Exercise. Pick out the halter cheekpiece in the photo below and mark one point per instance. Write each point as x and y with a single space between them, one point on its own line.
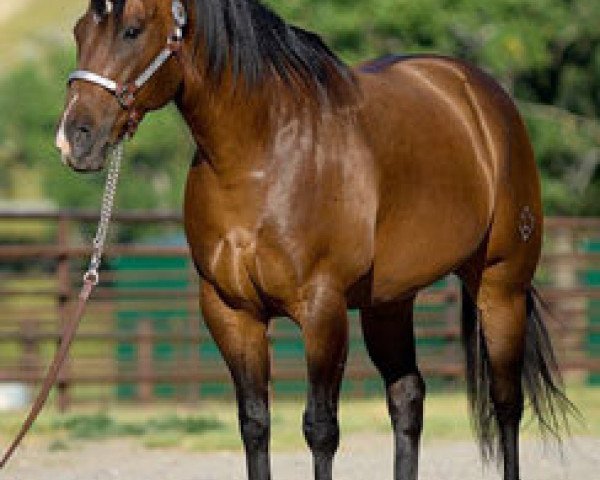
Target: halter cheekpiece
125 92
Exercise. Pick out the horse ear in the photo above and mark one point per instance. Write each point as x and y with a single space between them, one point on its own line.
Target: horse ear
102 7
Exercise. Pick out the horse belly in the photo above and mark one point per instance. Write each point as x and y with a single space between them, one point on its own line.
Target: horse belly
427 228
407 261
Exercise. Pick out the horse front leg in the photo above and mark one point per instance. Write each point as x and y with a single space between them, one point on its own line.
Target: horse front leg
324 322
242 340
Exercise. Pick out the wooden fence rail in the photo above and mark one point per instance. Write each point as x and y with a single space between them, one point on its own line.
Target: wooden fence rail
142 339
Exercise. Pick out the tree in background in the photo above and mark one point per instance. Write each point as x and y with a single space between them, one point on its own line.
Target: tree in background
545 52
156 161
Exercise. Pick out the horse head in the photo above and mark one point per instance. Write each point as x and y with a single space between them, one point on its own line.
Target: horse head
125 68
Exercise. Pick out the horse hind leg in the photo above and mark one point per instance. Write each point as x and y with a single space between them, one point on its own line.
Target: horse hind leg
507 348
389 337
494 328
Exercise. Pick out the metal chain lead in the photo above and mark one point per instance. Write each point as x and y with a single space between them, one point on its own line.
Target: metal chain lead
108 201
90 280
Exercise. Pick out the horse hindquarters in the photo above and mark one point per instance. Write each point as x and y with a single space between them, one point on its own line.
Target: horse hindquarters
508 352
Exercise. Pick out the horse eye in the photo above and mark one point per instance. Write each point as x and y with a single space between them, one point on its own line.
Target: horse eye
131 33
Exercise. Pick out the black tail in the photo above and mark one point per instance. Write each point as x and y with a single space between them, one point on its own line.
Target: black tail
541 379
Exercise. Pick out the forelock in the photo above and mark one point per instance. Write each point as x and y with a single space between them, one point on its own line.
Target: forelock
106 7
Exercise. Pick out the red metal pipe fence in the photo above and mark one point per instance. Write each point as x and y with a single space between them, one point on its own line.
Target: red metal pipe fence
119 347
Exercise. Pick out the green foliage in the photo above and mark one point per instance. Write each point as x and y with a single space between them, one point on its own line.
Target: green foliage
545 52
566 146
31 99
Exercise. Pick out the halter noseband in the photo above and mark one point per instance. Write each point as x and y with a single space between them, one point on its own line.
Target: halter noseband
125 92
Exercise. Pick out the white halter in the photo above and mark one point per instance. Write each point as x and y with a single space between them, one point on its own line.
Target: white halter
125 92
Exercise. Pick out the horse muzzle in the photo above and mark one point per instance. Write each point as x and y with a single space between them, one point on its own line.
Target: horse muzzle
81 149
83 145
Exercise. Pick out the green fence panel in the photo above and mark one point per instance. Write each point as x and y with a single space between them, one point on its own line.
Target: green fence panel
287 344
129 272
591 278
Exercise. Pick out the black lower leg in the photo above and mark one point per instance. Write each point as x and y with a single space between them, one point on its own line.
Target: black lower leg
508 416
322 433
405 402
255 429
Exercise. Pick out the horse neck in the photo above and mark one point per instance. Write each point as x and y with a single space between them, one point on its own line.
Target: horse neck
234 126
230 125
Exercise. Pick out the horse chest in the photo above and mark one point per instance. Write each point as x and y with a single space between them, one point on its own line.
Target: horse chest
240 263
223 232
226 262
266 236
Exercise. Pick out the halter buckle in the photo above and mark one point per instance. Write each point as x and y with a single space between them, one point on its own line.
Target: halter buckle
126 95
174 43
133 122
179 13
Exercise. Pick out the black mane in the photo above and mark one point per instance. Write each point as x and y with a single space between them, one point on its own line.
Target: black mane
255 42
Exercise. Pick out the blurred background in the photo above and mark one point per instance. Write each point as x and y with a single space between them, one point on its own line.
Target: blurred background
142 341
544 52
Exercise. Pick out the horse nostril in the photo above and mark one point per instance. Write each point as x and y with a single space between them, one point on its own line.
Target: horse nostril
82 133
82 140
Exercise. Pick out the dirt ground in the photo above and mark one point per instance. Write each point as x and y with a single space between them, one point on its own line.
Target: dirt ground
363 457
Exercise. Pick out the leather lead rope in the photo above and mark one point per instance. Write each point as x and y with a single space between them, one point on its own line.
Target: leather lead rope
90 280
54 370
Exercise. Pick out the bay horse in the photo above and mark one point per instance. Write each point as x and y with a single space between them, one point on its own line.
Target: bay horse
317 187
